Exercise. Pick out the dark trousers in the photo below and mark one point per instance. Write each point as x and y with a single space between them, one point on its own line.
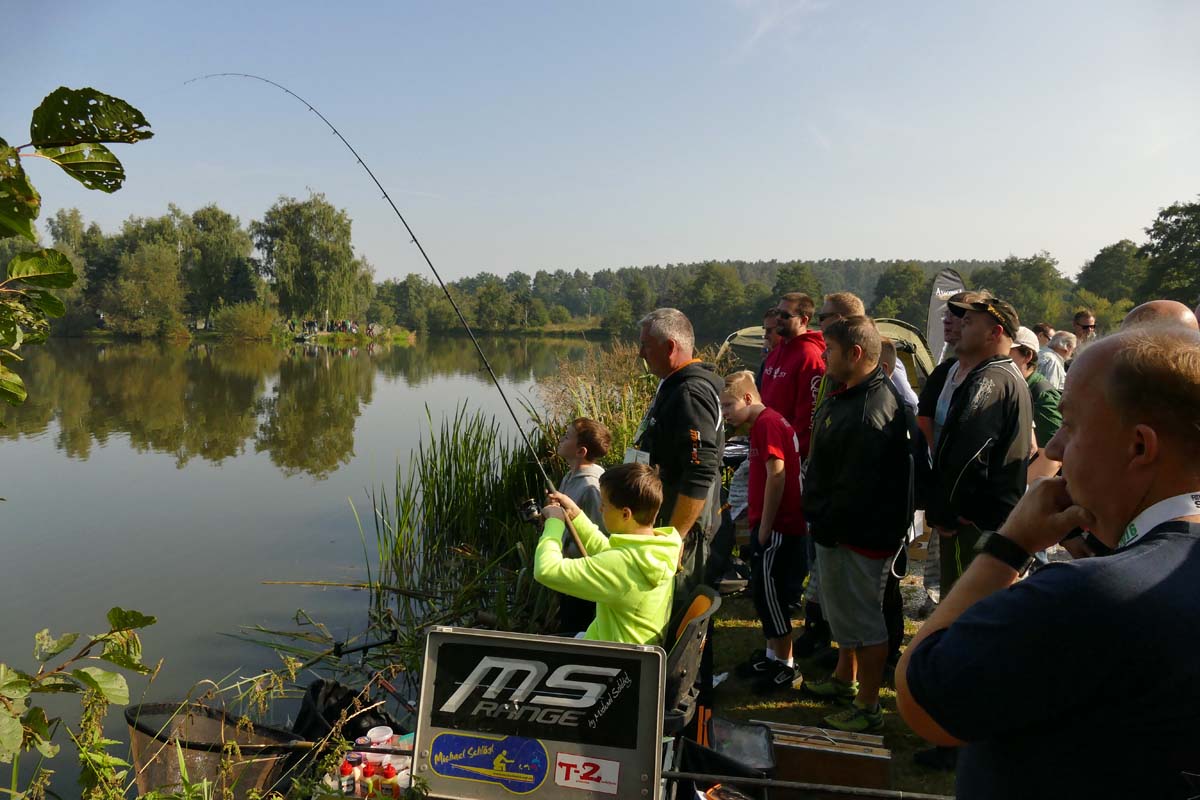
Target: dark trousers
956 554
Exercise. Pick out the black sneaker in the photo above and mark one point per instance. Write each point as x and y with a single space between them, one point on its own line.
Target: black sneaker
757 665
778 676
944 759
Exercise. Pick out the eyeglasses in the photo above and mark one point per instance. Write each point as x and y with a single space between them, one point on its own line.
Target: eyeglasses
785 315
1091 327
827 315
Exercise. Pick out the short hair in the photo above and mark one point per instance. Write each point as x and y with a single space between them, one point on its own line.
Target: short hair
1064 340
887 353
858 330
1082 314
670 324
740 383
592 435
1154 379
804 304
847 304
1043 329
636 487
771 312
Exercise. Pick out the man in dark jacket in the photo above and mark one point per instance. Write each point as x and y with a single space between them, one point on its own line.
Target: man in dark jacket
682 435
858 507
982 447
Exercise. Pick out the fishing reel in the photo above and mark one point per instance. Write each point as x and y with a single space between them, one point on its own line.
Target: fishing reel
530 511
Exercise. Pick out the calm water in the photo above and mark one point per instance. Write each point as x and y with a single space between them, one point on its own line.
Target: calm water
174 480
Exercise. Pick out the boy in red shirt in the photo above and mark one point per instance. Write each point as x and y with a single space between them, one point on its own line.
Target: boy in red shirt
777 524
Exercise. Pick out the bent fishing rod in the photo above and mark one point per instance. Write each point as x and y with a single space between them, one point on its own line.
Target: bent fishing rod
413 238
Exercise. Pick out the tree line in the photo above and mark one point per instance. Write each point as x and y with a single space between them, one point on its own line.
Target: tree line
156 273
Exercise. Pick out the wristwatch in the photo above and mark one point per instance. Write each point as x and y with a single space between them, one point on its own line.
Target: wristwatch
1004 549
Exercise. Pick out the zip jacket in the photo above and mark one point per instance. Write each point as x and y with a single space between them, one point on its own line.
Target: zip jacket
792 379
630 578
856 490
684 437
979 463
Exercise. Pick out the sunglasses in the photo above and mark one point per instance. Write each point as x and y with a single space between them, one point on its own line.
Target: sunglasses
1088 327
785 315
827 315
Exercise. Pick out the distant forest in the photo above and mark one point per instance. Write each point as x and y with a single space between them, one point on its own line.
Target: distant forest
157 276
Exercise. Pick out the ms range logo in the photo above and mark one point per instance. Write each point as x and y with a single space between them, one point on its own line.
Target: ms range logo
553 696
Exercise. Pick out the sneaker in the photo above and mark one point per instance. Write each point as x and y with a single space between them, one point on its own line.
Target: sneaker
857 719
757 665
779 676
832 689
939 758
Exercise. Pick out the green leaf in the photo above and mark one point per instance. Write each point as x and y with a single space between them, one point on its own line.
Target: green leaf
47 268
12 389
93 165
46 647
11 734
79 116
111 685
125 660
37 732
13 685
57 684
19 201
121 619
47 302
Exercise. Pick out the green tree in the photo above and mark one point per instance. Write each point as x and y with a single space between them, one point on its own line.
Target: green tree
905 284
539 315
1173 253
559 314
307 255
716 296
215 260
618 320
1108 313
797 276
1033 285
147 298
639 294
1116 272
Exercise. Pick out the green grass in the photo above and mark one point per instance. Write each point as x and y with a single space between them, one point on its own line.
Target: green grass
738 633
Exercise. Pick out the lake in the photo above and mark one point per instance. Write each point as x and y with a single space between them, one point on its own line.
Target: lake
175 479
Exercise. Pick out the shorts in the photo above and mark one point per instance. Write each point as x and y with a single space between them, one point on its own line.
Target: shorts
850 596
772 568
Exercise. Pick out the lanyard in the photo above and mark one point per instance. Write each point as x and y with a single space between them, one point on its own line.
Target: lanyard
1182 505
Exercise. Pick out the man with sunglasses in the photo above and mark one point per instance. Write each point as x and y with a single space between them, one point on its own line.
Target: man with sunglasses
794 368
1085 328
982 445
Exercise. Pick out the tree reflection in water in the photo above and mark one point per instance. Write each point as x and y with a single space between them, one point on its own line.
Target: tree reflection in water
214 401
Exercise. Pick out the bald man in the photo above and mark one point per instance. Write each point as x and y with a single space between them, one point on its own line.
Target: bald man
1160 312
1083 680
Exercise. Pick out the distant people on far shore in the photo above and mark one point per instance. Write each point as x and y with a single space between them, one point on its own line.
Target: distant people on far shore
1158 312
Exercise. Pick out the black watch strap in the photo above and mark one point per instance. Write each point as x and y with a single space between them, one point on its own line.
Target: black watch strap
1004 549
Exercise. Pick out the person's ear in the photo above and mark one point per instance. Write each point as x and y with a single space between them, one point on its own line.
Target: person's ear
1145 445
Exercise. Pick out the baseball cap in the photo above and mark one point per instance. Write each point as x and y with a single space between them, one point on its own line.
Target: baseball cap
1027 339
997 309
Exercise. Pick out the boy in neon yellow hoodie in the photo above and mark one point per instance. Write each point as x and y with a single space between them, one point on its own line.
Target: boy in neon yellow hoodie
630 575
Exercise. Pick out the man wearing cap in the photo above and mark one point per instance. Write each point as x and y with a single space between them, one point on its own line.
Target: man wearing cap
983 441
1046 417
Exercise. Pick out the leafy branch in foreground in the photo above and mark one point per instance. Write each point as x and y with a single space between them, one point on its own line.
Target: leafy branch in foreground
70 129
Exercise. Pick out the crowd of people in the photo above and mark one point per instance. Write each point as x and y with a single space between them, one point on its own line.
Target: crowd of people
1030 677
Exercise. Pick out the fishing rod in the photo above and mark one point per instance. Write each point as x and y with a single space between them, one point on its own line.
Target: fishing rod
413 238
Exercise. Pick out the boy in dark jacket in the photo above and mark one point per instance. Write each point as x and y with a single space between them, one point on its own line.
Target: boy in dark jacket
858 507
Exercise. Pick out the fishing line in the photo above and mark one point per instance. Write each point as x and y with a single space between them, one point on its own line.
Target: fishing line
413 238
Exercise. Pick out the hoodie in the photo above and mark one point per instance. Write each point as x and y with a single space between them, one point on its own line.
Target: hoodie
791 380
629 577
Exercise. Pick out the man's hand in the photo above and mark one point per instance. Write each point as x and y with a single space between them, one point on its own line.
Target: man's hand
559 499
763 539
1044 516
554 512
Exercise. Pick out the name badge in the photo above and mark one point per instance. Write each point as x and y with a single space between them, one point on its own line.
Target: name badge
635 456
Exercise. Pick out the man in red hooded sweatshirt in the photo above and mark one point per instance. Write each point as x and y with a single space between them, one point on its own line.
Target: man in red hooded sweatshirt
794 368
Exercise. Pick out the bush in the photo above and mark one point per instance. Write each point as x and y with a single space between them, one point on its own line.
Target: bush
245 321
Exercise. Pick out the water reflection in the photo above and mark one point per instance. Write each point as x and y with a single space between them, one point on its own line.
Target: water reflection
213 401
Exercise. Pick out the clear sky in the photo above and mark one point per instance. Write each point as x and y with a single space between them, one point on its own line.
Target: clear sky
522 135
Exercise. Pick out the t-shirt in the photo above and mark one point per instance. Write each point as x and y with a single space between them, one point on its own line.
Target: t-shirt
945 397
772 437
927 401
1081 681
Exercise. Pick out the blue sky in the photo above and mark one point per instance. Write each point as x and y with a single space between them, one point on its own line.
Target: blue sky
589 135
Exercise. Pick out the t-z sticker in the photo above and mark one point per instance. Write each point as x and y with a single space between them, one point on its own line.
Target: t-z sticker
540 695
519 765
590 774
